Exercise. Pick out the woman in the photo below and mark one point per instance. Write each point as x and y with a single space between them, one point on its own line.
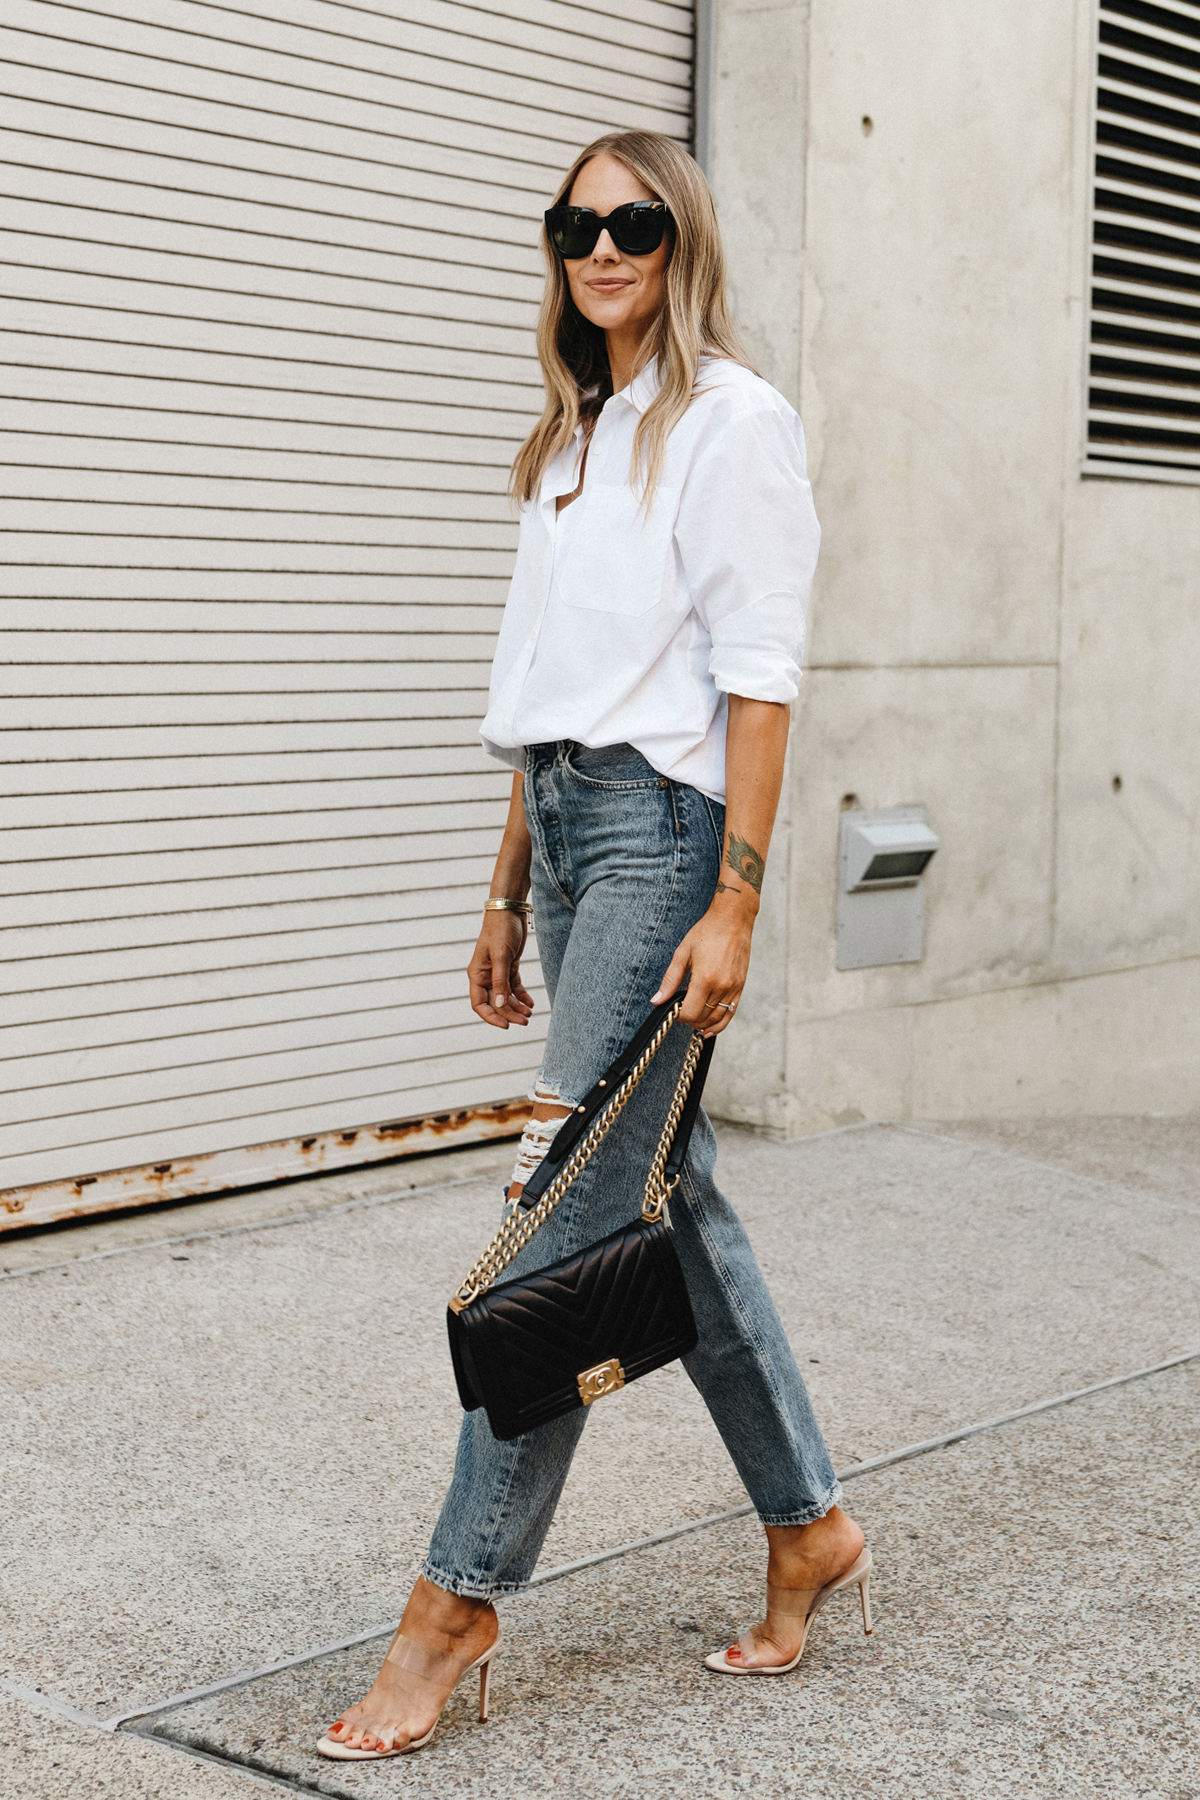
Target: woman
641 684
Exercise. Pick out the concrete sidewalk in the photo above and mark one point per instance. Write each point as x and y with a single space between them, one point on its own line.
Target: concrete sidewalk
227 1450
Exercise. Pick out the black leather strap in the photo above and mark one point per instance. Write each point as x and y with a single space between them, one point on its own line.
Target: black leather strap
683 1133
577 1122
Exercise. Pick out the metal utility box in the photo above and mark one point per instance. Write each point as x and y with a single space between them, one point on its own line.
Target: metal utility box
880 895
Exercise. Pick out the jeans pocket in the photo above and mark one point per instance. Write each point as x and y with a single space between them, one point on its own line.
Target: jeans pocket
614 768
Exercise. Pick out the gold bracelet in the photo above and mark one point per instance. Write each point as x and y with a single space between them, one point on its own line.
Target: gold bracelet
517 906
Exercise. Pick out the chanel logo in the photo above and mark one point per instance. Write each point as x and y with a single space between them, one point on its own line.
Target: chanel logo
605 1378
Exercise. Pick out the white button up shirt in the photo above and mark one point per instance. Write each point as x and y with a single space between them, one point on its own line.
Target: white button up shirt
628 627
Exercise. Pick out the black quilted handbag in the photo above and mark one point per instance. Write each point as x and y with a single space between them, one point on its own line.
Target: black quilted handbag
544 1344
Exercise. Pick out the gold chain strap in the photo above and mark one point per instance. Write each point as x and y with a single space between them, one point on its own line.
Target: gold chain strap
518 1228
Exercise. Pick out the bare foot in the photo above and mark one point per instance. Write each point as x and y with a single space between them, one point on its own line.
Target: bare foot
391 1715
806 1557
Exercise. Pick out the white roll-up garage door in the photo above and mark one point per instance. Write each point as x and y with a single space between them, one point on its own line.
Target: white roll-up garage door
269 277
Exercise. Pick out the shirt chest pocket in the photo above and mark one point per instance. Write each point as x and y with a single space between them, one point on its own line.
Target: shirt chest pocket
617 561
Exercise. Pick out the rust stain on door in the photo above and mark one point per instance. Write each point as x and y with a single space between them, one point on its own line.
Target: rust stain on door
224 1171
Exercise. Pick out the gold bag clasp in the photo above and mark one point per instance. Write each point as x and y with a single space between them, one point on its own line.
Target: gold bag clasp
605 1378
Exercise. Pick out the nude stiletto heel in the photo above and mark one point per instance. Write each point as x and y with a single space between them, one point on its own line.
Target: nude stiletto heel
802 1603
422 1668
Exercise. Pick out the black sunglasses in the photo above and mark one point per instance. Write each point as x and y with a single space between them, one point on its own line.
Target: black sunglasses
636 229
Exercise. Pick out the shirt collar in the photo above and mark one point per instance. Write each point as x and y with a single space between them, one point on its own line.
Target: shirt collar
562 473
642 389
560 477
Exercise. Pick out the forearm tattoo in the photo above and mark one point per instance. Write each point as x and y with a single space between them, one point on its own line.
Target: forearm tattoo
745 861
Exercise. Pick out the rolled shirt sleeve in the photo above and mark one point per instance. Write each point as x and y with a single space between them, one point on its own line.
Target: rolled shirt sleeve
747 537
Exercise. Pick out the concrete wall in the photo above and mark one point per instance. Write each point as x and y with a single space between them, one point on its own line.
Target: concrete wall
903 185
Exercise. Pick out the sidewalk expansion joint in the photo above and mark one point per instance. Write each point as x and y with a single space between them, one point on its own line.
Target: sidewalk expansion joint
175 1701
35 1697
61 1710
871 1466
875 1463
266 1777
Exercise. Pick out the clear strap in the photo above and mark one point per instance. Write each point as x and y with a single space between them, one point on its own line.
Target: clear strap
420 1670
418 1660
791 1603
796 1603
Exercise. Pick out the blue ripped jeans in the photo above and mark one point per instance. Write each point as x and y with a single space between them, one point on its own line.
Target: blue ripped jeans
624 863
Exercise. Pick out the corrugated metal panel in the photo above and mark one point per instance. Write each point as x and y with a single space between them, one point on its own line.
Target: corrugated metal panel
268 282
1143 416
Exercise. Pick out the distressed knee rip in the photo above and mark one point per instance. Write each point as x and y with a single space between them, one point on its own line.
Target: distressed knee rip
536 1139
539 1133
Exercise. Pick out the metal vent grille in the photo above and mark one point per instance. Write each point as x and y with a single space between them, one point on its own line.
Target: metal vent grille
1143 415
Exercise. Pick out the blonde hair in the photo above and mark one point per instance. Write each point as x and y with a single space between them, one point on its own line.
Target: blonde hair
694 320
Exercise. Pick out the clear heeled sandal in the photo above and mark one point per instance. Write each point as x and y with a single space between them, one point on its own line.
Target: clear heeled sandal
797 1603
423 1670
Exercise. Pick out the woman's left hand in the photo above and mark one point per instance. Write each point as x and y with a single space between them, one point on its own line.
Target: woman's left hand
716 955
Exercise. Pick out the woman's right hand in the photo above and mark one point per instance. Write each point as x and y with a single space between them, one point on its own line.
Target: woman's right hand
498 994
